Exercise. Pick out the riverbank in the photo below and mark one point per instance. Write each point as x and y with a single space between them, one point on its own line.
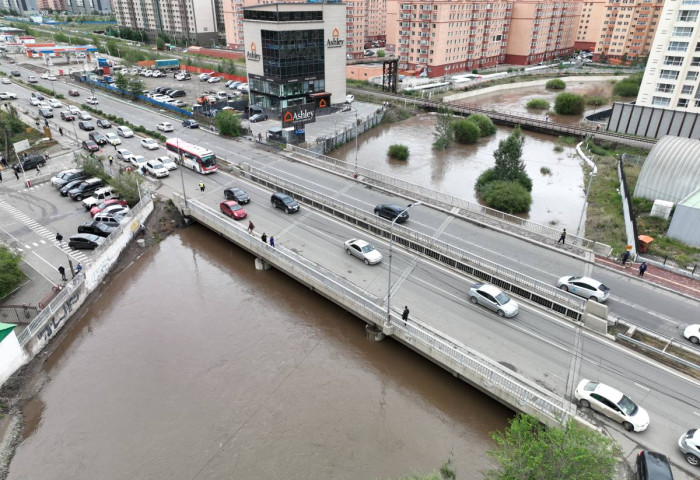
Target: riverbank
18 391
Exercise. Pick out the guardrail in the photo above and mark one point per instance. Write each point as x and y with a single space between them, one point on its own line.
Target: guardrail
547 296
342 292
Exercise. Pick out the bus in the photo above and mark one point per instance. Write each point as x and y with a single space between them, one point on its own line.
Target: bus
191 156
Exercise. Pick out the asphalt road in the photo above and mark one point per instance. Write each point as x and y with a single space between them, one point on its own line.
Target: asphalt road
545 349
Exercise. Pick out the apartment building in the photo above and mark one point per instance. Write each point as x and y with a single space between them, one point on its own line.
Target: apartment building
194 20
53 5
541 30
375 24
87 7
443 37
21 6
672 75
590 24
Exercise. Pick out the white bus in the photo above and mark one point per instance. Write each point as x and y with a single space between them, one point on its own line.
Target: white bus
191 156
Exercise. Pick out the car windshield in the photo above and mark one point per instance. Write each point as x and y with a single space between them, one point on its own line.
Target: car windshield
209 160
628 406
158 165
367 249
235 208
287 200
590 386
603 288
502 298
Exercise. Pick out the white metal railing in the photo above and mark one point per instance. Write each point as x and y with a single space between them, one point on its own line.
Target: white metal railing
343 292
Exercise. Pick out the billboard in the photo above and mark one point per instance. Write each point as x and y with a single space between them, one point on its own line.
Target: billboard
298 115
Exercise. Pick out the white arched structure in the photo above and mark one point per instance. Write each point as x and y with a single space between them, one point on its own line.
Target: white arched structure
671 171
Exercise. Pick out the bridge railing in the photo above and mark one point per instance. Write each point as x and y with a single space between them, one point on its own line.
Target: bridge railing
545 295
529 396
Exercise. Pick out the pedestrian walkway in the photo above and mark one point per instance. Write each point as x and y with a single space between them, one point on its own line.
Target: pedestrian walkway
673 281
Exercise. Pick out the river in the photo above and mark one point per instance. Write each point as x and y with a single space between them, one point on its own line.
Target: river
191 364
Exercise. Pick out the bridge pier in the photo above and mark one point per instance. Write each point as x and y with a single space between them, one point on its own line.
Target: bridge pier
261 264
373 333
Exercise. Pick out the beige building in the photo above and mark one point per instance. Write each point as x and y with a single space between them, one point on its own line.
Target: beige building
194 20
589 25
628 29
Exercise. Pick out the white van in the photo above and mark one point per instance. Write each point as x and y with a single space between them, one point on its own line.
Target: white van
99 196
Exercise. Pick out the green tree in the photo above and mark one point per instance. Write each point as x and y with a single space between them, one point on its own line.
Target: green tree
484 123
509 197
160 44
466 131
10 273
556 84
509 161
569 104
381 53
399 152
228 123
528 450
121 81
113 47
443 134
135 86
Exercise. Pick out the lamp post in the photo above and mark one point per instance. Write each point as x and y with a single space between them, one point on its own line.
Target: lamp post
182 166
391 249
357 134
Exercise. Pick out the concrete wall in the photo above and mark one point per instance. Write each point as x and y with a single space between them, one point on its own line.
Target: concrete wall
11 357
653 122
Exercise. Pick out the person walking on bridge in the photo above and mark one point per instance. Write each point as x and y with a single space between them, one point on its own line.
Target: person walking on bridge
562 238
251 227
404 315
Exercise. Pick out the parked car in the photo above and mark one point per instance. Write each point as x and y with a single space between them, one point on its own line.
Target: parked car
284 201
493 298
67 176
111 219
113 139
32 79
73 93
67 116
237 194
108 203
70 185
138 161
157 169
177 94
258 117
104 123
96 228
165 127
391 212
179 103
125 132
87 126
189 123
90 146
363 250
149 143
653 466
692 333
584 287
613 404
98 138
46 113
15 73
85 189
85 241
689 443
98 196
29 163
203 77
8 96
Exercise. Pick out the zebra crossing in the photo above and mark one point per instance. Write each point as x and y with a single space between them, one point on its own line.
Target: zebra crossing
43 232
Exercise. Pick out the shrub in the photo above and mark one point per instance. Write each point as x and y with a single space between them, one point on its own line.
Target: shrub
558 148
466 131
596 100
486 177
509 197
228 123
486 126
545 171
556 84
399 152
539 103
569 104
629 87
10 273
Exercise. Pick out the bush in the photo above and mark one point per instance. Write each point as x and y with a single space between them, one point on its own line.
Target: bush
10 273
539 103
486 177
629 87
545 171
596 100
509 197
556 84
486 126
569 104
466 131
399 152
228 123
558 148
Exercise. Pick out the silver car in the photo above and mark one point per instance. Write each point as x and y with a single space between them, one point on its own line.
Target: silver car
493 298
584 287
363 250
689 443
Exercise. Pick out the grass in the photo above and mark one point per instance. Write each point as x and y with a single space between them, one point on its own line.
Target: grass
558 148
545 171
568 140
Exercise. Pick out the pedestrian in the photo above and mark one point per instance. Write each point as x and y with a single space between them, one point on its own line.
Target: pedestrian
264 237
201 187
59 238
0 175
46 123
642 269
38 170
60 130
37 123
17 174
625 257
62 271
260 137
79 268
404 315
251 227
272 241
111 160
562 238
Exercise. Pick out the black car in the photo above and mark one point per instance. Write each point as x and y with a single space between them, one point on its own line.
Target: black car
85 188
284 201
104 123
653 466
391 211
96 228
91 146
176 94
98 138
70 185
258 117
32 161
237 194
162 90
189 123
85 240
15 73
46 113
87 126
68 177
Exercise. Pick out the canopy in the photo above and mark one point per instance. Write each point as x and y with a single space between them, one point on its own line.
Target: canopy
5 330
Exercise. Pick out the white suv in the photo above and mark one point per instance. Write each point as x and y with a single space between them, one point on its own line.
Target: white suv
157 169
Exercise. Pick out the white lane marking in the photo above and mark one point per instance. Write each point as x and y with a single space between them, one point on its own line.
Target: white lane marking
642 387
696 413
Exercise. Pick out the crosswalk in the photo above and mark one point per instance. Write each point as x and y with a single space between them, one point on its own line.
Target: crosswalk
49 236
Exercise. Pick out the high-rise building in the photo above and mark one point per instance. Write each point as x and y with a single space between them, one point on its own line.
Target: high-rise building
193 20
590 23
59 5
672 75
19 6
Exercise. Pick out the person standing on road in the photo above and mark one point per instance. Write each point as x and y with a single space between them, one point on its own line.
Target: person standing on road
404 315
251 227
642 269
62 271
16 174
625 257
562 238
264 237
59 238
0 175
201 187
272 241
111 160
60 130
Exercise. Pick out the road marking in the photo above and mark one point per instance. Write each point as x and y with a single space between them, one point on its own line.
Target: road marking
696 413
642 387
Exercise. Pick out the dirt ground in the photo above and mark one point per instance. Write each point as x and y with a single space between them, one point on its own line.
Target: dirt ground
28 381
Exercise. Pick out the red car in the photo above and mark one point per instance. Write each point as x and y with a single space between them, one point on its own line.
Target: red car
112 201
73 93
233 210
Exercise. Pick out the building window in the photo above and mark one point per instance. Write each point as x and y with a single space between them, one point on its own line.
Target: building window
695 62
677 46
687 15
664 88
669 75
294 53
682 31
691 76
660 102
687 90
682 103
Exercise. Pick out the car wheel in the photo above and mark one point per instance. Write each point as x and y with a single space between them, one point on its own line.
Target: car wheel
501 313
287 211
473 300
42 163
692 459
565 288
78 197
194 168
274 205
584 403
694 340
593 299
347 250
366 262
228 196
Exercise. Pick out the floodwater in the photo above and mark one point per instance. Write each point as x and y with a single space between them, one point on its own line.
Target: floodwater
557 197
191 364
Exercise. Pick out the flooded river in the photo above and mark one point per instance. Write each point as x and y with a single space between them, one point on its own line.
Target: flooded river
191 364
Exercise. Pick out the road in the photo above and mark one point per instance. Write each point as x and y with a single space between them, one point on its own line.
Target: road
545 349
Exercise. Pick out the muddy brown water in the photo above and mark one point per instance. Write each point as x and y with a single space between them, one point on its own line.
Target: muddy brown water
191 364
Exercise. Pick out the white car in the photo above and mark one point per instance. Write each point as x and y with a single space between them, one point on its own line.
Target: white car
493 298
44 76
45 105
612 404
363 250
214 80
125 132
167 162
113 139
138 161
692 333
32 79
9 95
157 73
148 73
149 143
203 77
55 103
123 154
243 87
84 115
349 98
6 80
584 287
73 109
157 169
178 103
134 71
165 126
34 101
92 101
52 78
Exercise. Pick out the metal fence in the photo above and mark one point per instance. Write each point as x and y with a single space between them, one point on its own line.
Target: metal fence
548 296
347 295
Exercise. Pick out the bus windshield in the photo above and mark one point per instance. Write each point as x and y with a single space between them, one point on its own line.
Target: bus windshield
208 160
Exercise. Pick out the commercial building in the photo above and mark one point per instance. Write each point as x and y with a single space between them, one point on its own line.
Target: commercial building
193 20
672 75
295 54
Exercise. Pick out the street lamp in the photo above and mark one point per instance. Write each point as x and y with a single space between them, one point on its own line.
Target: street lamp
391 245
357 133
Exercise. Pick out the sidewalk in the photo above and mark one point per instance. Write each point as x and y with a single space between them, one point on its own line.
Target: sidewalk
659 276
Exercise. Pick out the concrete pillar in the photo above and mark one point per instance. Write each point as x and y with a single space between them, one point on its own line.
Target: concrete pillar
373 333
261 264
595 317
